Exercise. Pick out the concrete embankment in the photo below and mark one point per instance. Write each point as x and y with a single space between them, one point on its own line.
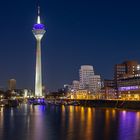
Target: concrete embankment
120 104
111 104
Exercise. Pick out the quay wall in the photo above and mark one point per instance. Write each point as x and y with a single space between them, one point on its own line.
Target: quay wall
122 104
111 104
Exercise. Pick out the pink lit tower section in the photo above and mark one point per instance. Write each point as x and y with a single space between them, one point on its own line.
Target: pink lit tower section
38 31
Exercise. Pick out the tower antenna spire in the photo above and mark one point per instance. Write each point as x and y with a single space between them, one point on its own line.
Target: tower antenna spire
38 13
38 10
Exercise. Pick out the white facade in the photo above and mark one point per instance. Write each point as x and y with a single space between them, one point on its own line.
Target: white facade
88 80
75 85
85 73
95 83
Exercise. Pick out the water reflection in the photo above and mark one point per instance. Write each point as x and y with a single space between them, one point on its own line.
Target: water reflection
107 123
129 127
113 114
1 122
68 123
89 124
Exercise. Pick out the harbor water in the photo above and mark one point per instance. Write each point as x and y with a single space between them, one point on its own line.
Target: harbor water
50 122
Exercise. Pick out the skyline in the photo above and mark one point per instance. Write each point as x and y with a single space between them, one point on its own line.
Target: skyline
78 34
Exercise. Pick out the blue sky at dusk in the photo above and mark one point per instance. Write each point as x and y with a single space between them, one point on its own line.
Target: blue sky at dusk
96 32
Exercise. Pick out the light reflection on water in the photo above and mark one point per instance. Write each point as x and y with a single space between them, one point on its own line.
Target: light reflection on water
128 119
68 123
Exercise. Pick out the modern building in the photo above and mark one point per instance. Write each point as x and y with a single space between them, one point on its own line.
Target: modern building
75 85
85 72
126 69
38 31
88 80
12 84
95 83
109 83
108 90
127 80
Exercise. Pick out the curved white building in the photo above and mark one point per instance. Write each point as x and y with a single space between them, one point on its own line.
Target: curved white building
88 80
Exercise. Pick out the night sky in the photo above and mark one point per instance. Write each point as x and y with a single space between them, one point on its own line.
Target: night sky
96 32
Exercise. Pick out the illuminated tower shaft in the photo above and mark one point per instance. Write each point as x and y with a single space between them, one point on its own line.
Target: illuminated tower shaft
38 74
38 31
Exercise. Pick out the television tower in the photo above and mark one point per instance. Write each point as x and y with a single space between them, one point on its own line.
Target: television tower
38 31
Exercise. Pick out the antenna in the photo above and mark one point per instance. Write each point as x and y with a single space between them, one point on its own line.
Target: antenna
38 13
38 8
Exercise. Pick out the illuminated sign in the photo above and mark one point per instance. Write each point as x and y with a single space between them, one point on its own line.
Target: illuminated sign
128 88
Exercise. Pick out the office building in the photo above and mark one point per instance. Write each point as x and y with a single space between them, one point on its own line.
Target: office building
75 85
85 73
88 80
127 80
12 84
